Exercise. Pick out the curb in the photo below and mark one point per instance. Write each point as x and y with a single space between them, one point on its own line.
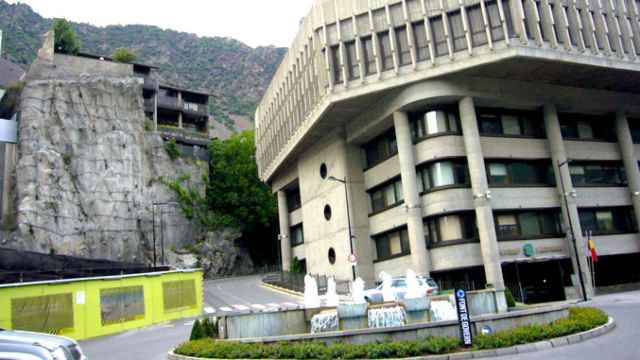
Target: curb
513 350
282 290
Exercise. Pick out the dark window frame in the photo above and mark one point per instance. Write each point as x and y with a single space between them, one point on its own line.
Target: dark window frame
294 241
418 125
380 189
457 163
526 121
293 194
432 225
601 129
555 213
385 236
616 166
628 217
550 176
388 137
353 68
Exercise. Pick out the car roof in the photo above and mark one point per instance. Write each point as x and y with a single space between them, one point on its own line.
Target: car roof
27 337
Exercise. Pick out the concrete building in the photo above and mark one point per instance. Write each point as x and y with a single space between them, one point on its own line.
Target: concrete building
452 123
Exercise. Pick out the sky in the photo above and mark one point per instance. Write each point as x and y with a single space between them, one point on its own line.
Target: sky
254 22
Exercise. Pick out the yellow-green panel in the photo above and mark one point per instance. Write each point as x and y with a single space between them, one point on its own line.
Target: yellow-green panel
101 306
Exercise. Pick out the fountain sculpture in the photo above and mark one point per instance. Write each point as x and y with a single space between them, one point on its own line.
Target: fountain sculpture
442 311
332 298
387 291
357 292
311 298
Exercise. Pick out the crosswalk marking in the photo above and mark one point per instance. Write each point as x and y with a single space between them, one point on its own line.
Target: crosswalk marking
273 305
241 307
289 304
258 306
209 310
226 308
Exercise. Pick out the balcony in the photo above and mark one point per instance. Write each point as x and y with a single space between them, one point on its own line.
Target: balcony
149 106
168 102
150 84
184 135
195 108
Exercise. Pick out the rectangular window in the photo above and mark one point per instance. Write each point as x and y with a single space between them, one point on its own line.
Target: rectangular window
369 57
47 313
402 41
598 174
386 196
476 24
380 149
587 127
557 28
457 31
297 235
498 174
602 221
352 60
434 122
420 35
439 39
122 304
336 65
179 295
385 51
293 199
528 224
634 126
505 122
392 244
452 227
495 24
443 173
520 172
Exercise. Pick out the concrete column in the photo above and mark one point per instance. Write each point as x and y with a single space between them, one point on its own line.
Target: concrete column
569 207
415 226
484 212
180 111
155 111
630 160
285 236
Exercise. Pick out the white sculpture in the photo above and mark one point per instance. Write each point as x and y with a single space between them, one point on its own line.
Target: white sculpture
413 286
332 294
357 293
387 291
311 298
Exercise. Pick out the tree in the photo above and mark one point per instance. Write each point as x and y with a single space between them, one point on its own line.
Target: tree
66 39
124 55
196 331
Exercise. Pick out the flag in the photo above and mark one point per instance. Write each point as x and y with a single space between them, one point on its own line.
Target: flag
594 251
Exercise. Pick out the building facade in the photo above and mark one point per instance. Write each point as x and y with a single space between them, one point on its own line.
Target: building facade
480 142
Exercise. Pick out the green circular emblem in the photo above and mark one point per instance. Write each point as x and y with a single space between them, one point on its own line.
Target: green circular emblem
529 250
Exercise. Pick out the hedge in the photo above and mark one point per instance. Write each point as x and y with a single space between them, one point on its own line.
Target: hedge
580 319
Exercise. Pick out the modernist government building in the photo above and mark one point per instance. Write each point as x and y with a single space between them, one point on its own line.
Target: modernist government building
479 142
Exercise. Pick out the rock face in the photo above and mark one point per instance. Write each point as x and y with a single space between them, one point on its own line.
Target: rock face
88 176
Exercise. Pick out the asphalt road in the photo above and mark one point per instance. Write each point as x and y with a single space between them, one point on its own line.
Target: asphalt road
240 294
153 343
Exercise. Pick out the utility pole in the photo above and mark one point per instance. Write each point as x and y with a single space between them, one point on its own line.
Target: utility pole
346 195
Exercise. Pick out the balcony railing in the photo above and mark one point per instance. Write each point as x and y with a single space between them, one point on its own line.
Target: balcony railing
150 83
173 103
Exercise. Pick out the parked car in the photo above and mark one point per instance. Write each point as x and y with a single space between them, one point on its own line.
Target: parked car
17 351
399 287
60 347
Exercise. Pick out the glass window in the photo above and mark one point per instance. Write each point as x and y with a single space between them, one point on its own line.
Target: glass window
336 65
490 124
457 31
403 46
386 196
507 226
608 220
442 173
385 51
369 57
495 24
420 35
498 173
584 130
586 174
451 227
523 173
529 225
377 201
395 243
605 221
398 190
520 172
293 199
436 122
439 39
510 125
297 235
433 122
381 148
478 32
352 60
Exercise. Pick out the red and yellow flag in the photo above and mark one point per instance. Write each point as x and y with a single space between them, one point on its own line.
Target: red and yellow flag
594 251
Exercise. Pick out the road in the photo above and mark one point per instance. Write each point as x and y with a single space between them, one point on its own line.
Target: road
153 343
242 294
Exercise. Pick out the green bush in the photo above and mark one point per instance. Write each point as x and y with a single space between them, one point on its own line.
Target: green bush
124 55
511 301
66 40
196 331
172 149
580 319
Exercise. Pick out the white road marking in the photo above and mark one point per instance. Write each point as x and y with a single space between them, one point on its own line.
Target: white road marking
209 310
258 306
240 307
189 323
290 304
273 305
226 308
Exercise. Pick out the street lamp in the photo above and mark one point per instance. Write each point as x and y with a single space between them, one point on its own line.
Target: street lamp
565 195
159 204
346 195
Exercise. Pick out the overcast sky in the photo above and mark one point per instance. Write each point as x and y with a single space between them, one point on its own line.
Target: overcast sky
254 22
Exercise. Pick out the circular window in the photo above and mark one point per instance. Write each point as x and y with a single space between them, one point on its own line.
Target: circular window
327 212
332 256
323 171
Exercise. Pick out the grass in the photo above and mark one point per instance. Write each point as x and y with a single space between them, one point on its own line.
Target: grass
579 319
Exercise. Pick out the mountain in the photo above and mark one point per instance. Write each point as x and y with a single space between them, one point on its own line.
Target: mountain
235 73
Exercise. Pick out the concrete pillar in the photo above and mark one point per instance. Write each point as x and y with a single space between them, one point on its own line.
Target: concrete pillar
415 226
285 236
180 109
481 195
630 160
155 111
570 213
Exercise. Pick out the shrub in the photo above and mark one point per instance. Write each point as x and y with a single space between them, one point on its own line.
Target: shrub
124 55
580 319
66 39
196 331
511 301
172 149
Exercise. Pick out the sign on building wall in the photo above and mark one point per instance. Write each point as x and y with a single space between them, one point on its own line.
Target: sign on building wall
464 321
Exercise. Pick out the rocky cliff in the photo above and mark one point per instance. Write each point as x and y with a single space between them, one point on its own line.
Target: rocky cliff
88 173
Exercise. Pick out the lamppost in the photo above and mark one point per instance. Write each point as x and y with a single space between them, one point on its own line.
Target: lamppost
346 196
159 204
565 196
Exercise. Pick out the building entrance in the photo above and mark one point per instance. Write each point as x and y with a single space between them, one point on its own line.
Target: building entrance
536 282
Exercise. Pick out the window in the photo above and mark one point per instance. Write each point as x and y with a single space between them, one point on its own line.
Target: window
590 174
404 53
385 51
293 199
297 235
448 228
557 28
510 123
420 35
392 244
352 60
441 174
520 172
457 31
380 149
439 39
369 57
386 196
476 24
634 126
336 65
586 127
434 122
601 221
528 224
495 24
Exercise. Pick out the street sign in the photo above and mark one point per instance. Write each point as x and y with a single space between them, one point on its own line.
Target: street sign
464 322
353 259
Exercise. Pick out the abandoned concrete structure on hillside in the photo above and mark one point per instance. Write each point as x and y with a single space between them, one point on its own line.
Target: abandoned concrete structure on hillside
476 138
